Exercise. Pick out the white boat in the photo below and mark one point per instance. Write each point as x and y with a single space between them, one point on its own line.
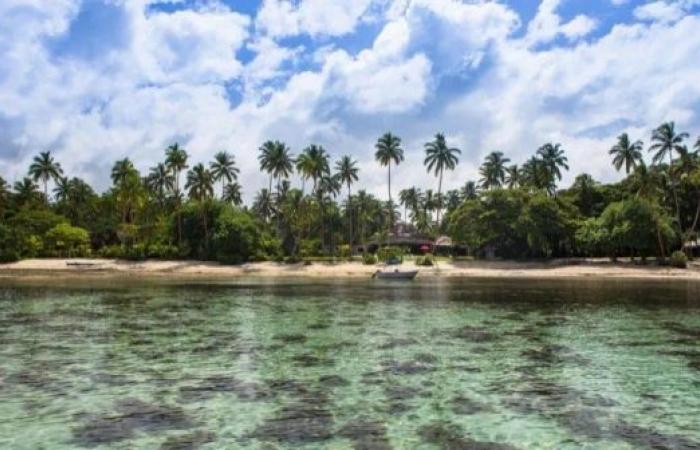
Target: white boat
395 274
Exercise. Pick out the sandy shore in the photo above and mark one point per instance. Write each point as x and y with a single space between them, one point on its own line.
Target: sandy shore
39 268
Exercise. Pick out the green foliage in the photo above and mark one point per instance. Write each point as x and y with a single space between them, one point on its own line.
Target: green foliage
390 253
425 260
369 259
9 250
66 240
237 236
679 260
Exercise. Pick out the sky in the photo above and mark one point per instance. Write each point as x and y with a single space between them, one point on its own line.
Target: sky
98 80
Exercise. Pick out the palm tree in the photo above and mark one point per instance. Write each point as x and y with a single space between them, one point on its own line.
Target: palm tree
200 187
512 178
62 190
224 169
176 162
536 174
232 194
313 163
470 191
438 157
409 198
554 159
26 191
44 168
328 186
626 153
267 151
121 170
160 180
281 163
492 171
666 141
263 205
347 172
388 149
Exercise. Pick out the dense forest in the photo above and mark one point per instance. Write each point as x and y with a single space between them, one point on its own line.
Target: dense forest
186 209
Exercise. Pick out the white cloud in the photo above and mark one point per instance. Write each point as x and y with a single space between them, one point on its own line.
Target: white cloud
547 25
279 18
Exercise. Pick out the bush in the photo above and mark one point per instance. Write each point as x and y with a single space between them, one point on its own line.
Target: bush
679 260
66 240
236 236
390 253
162 251
426 260
369 259
111 251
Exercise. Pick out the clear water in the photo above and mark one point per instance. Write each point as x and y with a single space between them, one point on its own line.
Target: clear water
358 364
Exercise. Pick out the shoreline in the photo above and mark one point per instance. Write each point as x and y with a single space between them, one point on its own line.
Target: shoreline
187 270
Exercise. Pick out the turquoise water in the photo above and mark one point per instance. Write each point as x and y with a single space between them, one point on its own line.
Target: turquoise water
366 365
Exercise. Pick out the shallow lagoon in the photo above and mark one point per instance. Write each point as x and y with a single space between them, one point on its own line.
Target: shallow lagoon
470 364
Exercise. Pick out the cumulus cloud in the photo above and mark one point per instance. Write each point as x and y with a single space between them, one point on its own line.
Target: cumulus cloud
470 69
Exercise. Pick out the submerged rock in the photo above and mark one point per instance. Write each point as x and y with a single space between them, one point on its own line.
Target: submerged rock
449 436
191 441
129 416
298 423
366 435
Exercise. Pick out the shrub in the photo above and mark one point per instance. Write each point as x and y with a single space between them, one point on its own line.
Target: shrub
426 260
111 251
67 240
369 259
679 260
236 237
344 251
162 251
390 253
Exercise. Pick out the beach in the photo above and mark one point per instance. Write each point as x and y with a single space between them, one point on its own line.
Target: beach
578 268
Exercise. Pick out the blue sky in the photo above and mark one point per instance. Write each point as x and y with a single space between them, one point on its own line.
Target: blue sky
97 80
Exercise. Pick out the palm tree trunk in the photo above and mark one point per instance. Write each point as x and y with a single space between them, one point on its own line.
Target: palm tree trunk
675 194
389 168
350 216
46 189
439 198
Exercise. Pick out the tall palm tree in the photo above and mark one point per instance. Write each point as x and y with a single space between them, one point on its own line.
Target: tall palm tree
176 162
438 157
160 181
265 157
512 178
263 205
554 159
388 149
121 170
537 174
45 168
232 194
666 141
347 171
493 171
626 153
409 199
281 163
200 187
61 192
313 163
224 169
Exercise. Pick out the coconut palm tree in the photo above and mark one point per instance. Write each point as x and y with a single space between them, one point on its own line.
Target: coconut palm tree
263 205
26 191
224 169
200 187
61 192
438 157
267 151
470 191
232 194
493 171
160 181
666 141
176 162
313 163
554 159
388 149
409 199
626 153
537 174
281 163
121 171
347 171
45 168
512 178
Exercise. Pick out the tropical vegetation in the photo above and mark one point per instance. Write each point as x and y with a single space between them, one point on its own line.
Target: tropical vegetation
181 208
